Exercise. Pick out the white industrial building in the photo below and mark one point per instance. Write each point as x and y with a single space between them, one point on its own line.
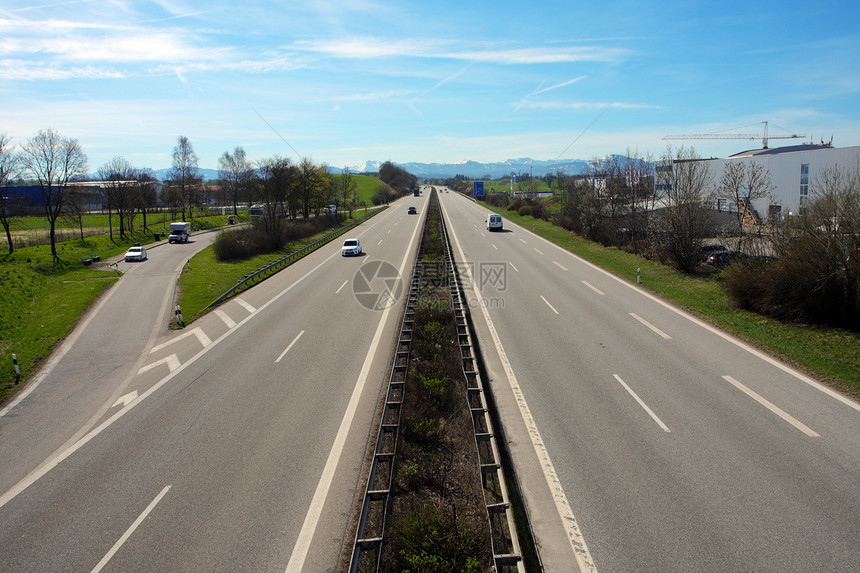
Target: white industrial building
793 171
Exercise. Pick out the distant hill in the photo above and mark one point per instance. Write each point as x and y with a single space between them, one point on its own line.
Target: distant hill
470 169
474 169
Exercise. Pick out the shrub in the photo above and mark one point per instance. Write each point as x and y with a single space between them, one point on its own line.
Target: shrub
254 240
434 540
525 210
496 199
806 286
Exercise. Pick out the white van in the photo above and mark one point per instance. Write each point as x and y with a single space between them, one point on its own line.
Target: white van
494 222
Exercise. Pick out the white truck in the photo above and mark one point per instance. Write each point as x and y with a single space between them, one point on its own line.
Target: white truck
179 232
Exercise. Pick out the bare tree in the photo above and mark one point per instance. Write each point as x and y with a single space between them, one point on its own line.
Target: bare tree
740 184
236 175
274 187
75 207
119 180
685 183
147 194
53 161
9 170
184 174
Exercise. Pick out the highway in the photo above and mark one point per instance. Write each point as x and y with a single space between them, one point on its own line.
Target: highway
235 444
645 439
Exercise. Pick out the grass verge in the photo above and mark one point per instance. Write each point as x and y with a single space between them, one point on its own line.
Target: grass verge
204 278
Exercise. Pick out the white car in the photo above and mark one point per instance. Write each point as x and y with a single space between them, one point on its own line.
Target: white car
350 247
135 254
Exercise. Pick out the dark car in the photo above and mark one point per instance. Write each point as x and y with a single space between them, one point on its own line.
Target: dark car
722 259
705 251
412 211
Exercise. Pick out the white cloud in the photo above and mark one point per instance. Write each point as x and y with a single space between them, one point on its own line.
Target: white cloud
368 47
374 96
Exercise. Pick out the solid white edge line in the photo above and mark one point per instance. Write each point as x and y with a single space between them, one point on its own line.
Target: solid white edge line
548 304
54 461
642 403
58 355
303 542
130 530
569 523
287 349
772 407
712 329
651 326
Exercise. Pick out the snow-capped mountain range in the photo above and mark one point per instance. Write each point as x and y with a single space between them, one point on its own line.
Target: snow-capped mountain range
470 169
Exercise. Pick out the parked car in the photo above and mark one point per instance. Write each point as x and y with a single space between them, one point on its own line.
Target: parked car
412 211
722 259
330 209
350 247
135 254
705 251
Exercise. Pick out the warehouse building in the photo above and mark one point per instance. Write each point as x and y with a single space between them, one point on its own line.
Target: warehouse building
793 170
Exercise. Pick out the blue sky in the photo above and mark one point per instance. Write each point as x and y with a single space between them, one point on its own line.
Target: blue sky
346 81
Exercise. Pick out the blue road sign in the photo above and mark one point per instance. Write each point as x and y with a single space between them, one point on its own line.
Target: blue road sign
479 188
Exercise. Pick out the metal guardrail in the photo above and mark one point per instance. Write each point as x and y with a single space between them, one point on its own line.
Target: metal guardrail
275 266
507 556
374 508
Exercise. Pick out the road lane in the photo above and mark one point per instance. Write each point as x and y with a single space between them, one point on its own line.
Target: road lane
91 368
732 486
240 437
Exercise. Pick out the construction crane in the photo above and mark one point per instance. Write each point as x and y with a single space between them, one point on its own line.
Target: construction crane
721 135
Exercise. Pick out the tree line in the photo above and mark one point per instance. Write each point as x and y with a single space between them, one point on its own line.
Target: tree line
803 268
57 165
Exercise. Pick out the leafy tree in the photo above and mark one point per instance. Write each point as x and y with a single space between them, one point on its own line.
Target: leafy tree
54 162
312 187
345 188
396 177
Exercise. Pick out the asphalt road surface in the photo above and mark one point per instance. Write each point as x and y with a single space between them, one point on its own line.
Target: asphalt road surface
643 439
235 444
646 440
